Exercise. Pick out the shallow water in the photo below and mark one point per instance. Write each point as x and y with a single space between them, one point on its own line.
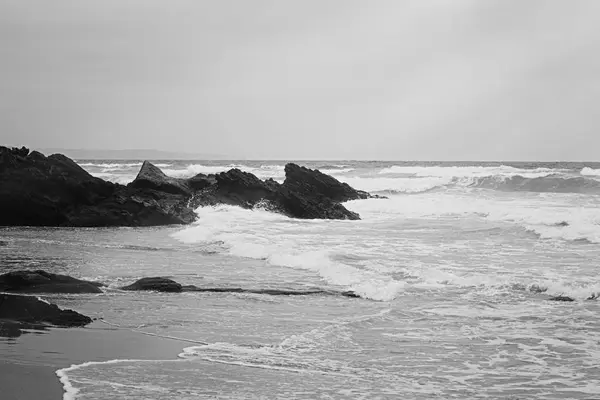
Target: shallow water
455 270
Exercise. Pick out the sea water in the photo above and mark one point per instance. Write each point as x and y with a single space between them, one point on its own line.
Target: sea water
455 270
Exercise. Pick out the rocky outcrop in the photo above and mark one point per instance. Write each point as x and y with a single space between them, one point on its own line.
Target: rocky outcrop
154 284
44 282
309 182
54 191
305 193
43 191
151 177
32 310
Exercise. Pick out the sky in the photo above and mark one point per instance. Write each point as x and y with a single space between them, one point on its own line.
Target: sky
310 79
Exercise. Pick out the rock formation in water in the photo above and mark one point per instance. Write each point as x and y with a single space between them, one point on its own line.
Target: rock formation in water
155 284
159 284
45 282
32 310
54 191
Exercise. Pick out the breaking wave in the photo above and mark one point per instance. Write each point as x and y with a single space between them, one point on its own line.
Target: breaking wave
551 184
284 242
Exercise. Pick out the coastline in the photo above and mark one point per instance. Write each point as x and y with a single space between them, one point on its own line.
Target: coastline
29 364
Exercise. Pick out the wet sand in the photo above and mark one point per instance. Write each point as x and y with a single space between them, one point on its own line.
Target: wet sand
28 363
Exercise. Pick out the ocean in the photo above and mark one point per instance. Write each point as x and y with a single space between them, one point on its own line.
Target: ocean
455 270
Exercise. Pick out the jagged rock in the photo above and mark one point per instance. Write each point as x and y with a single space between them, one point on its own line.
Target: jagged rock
135 207
32 310
41 191
241 188
201 181
151 177
54 191
44 282
311 182
155 284
315 206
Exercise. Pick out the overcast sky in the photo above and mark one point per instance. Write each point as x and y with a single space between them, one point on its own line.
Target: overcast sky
345 79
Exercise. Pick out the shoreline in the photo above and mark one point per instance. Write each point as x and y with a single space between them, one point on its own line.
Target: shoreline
29 364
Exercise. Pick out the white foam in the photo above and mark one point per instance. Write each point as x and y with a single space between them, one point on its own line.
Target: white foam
471 171
263 172
70 390
587 171
281 241
397 184
122 179
550 216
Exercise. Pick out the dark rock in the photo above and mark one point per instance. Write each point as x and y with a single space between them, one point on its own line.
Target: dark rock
561 298
55 191
41 191
156 284
44 282
135 207
269 292
310 182
310 206
201 181
241 188
151 177
32 310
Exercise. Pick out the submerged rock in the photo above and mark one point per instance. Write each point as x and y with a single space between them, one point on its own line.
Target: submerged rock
561 298
159 284
45 282
32 310
155 284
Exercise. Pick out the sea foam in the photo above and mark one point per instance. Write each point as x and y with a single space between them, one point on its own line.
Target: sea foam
281 241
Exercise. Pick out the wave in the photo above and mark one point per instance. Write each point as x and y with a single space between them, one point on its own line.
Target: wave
551 184
263 172
545 217
471 171
587 171
284 242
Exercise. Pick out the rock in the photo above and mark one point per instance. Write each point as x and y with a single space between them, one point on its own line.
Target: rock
40 191
151 177
44 282
201 181
32 310
156 284
241 188
310 206
55 191
311 182
561 298
135 207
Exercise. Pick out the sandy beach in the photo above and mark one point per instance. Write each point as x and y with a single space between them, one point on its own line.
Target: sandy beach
28 364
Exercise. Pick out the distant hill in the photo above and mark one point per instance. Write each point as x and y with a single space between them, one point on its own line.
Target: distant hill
132 154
